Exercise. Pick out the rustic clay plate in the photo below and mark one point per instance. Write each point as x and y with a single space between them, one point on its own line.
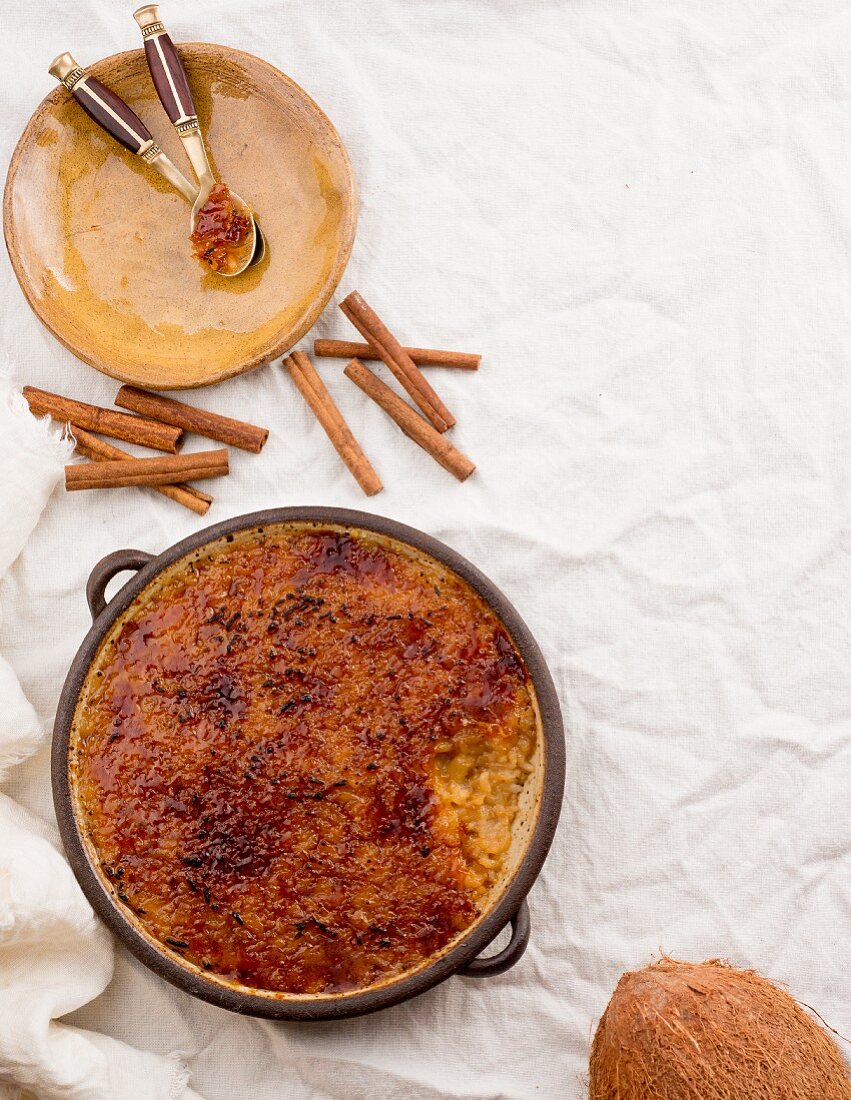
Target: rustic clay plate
100 244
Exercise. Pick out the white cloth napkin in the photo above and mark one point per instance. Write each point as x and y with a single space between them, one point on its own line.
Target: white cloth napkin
54 955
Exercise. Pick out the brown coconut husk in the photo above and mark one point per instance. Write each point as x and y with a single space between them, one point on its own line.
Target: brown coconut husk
706 1031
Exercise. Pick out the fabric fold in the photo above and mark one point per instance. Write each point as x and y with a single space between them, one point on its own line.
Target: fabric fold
55 956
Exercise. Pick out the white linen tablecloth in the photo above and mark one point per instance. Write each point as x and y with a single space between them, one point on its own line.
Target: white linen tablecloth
640 215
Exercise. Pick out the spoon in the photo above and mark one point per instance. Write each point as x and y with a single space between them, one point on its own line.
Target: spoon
121 122
113 115
172 87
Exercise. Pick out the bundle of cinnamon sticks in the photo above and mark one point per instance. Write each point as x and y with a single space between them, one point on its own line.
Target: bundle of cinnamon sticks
424 424
161 425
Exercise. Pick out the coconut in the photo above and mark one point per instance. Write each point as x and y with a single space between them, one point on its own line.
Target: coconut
706 1031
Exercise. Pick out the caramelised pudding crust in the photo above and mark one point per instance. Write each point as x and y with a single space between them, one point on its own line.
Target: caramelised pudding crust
298 756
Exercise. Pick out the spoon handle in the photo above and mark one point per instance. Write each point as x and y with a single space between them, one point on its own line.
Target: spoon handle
112 114
172 87
167 71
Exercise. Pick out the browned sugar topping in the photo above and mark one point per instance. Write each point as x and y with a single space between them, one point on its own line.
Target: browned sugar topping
298 758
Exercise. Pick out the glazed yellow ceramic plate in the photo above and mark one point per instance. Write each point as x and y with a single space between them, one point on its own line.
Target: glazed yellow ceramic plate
99 242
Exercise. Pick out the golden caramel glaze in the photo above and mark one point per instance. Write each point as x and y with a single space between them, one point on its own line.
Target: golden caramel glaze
298 755
222 234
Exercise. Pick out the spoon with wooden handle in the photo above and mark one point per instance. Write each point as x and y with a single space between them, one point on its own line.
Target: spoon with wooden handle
172 87
121 122
113 115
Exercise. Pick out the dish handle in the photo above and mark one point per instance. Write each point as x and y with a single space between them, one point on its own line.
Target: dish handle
521 927
106 569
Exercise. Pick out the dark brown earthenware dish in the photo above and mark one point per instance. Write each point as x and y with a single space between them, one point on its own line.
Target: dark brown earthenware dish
507 906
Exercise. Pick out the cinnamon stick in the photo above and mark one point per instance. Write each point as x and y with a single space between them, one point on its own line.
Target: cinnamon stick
132 429
168 470
89 446
411 423
423 357
313 390
407 373
211 425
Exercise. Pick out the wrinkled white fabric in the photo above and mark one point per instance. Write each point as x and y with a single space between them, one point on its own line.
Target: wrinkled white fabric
54 955
31 456
639 214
